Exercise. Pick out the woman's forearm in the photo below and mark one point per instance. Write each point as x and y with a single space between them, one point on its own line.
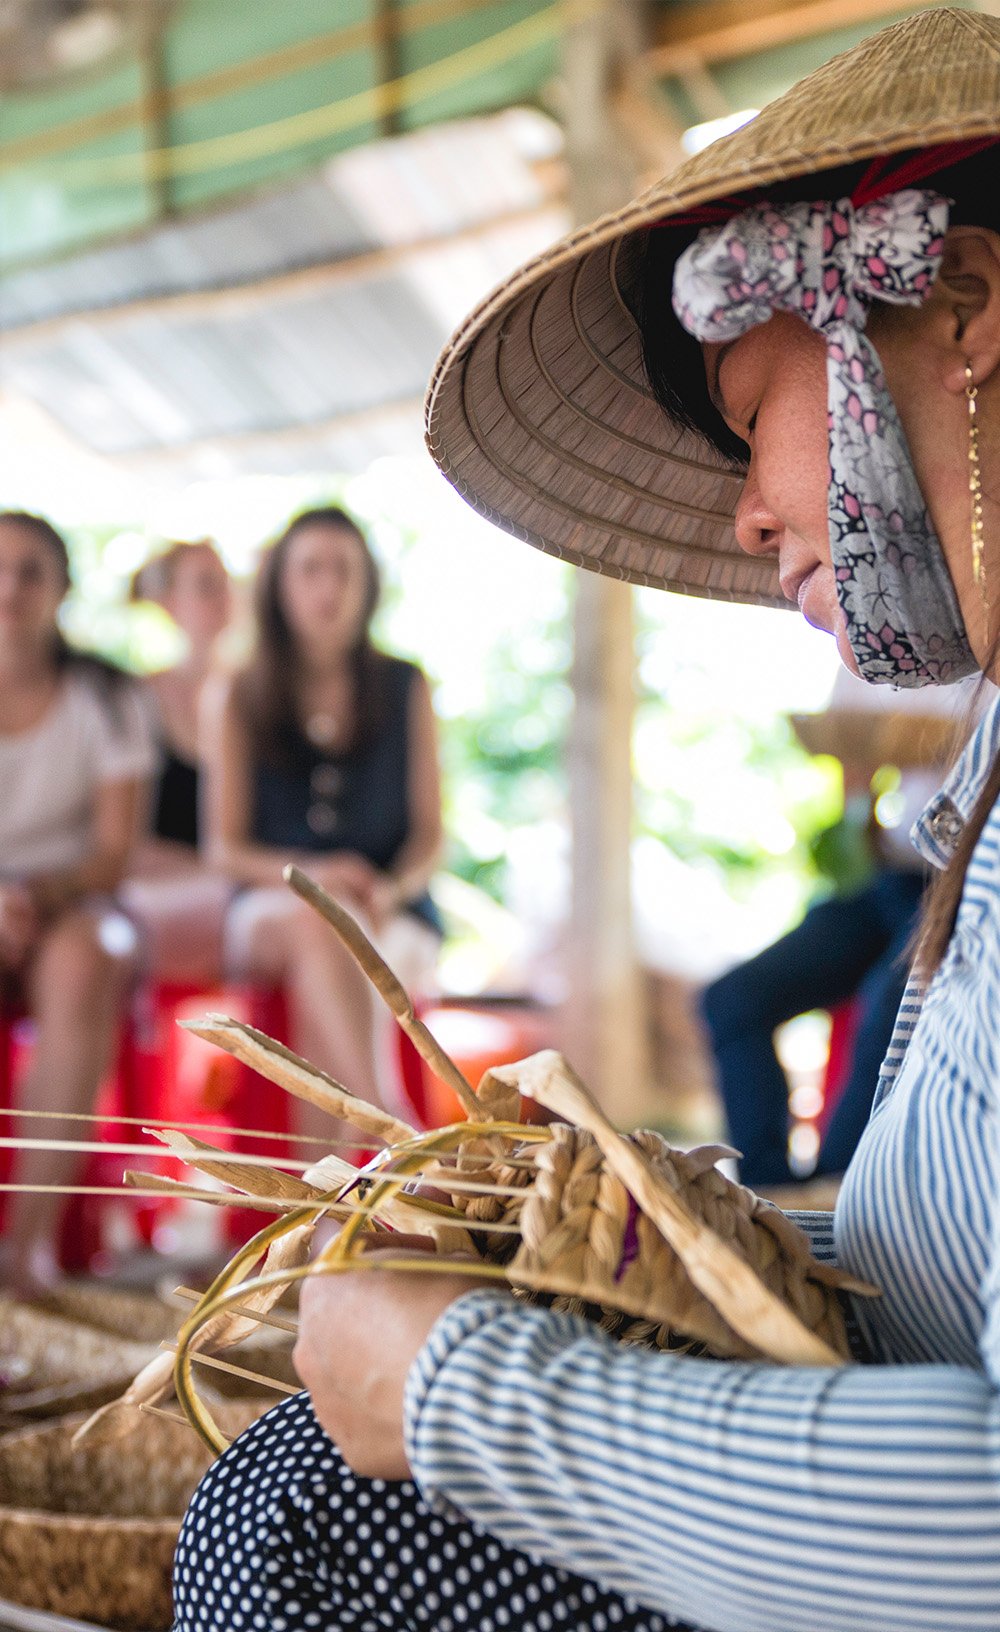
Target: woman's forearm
258 866
734 1496
414 864
99 874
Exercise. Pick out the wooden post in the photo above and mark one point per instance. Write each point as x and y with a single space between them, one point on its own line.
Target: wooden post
605 1022
154 113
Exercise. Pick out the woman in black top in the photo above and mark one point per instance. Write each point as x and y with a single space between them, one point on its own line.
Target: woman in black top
177 902
323 751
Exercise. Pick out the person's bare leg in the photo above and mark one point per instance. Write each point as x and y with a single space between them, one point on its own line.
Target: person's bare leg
180 920
330 1001
75 990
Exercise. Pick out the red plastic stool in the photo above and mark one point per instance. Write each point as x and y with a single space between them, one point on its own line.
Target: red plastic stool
843 1030
82 1234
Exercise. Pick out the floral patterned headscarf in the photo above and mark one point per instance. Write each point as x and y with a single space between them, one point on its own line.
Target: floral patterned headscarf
826 262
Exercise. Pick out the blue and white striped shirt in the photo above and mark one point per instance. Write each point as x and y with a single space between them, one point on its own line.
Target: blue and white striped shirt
744 1497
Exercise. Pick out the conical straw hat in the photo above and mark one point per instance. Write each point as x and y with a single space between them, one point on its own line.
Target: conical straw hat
539 412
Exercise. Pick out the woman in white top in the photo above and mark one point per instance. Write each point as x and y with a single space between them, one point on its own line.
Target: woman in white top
75 754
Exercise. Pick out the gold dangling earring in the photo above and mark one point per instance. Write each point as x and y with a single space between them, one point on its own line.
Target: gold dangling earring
975 487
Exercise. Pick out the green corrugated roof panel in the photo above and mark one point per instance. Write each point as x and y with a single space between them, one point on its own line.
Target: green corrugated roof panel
257 91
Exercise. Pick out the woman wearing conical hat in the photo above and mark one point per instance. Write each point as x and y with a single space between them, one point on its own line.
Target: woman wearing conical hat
776 376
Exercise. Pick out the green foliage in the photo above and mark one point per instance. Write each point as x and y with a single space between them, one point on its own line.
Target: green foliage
504 760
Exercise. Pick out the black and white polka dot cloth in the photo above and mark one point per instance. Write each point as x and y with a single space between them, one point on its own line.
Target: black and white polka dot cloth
281 1536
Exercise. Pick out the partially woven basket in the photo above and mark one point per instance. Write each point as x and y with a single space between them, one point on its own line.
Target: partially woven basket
578 1226
654 1244
90 1531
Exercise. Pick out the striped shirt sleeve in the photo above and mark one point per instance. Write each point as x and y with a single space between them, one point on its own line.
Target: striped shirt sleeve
736 1496
819 1228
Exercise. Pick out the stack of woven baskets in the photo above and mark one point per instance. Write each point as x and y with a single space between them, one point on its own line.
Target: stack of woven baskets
88 1531
75 1351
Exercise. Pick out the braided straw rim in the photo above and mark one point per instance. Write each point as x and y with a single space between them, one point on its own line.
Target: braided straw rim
538 410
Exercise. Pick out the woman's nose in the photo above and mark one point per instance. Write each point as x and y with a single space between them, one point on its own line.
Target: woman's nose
758 529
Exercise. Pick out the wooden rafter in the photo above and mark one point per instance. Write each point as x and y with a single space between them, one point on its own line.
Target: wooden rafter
724 30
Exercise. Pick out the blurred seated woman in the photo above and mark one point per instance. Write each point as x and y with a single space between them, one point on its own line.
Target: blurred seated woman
75 754
177 902
323 751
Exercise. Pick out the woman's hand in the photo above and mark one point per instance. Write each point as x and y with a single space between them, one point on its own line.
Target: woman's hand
382 901
348 877
359 1334
20 924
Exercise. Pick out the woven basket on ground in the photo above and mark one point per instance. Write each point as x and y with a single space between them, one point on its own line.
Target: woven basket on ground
139 1317
50 1365
90 1531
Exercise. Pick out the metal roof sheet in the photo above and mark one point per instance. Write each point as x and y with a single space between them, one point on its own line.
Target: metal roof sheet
301 326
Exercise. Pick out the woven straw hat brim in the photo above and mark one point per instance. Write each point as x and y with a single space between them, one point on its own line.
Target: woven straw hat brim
539 411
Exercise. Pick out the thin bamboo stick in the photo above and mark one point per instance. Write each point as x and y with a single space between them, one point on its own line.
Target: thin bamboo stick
101 1147
386 984
179 1127
130 1193
192 1296
202 1359
170 1416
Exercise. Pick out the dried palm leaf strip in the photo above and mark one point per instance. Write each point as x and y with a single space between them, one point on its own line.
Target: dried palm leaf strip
387 985
291 1072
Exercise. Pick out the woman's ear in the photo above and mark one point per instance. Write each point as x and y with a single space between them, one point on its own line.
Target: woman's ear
966 298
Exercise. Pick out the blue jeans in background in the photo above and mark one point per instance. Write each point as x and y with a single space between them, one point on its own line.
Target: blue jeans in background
852 946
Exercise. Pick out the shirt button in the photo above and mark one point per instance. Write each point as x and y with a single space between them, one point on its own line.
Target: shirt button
947 827
322 819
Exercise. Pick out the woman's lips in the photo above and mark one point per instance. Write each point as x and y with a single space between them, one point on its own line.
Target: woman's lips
803 586
814 603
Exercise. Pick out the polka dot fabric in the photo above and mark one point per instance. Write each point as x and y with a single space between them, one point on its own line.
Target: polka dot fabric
280 1535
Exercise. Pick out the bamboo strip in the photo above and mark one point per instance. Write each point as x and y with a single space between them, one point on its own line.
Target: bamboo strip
181 1127
158 1411
192 1296
212 1360
386 984
131 1193
100 1147
289 1071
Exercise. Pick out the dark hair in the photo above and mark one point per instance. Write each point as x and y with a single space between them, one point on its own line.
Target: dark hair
108 677
945 893
674 369
266 692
